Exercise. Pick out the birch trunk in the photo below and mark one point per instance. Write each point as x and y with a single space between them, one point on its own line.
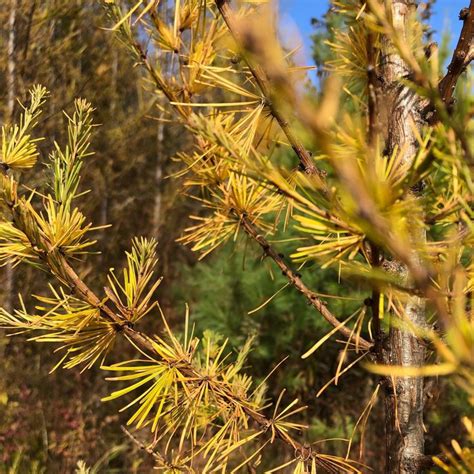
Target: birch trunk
404 401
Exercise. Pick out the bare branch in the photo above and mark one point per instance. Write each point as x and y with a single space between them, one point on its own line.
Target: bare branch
463 54
296 281
145 448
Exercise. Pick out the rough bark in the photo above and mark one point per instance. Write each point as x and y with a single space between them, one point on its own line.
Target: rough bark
404 399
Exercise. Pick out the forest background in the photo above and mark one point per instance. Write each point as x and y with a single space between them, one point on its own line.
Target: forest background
48 423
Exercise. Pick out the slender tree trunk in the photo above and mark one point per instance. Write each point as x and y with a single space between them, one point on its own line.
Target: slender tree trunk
158 179
160 149
11 61
107 168
404 400
11 94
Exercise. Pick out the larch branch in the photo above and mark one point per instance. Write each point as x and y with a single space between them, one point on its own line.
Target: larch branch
463 54
296 281
304 156
60 268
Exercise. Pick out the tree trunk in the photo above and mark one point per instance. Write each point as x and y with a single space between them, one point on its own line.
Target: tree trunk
156 220
404 400
11 61
11 94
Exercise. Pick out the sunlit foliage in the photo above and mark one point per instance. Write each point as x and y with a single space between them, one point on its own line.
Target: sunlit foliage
395 214
368 200
193 395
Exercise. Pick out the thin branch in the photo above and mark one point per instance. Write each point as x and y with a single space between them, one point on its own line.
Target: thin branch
463 54
136 441
60 268
304 156
158 79
156 456
427 462
296 281
372 135
372 83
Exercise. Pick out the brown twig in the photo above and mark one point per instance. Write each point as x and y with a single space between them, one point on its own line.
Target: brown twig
463 54
372 135
296 281
142 446
372 84
304 156
60 268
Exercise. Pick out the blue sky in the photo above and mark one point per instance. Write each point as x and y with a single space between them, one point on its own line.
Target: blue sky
297 14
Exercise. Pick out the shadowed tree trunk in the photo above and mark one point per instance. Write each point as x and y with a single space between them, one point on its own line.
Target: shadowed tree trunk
157 208
11 94
404 400
160 149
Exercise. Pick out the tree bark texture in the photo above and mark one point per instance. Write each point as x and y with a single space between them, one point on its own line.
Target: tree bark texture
404 399
11 94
